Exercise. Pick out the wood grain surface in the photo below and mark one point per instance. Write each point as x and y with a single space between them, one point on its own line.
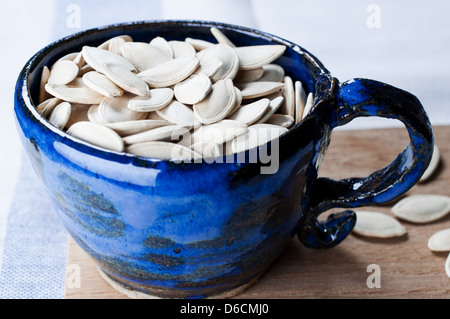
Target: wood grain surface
407 268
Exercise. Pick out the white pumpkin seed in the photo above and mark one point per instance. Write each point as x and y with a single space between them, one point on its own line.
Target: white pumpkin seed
85 69
257 135
300 101
432 166
143 55
158 99
115 44
177 113
79 95
218 104
134 127
43 94
252 57
252 90
96 134
288 106
221 38
163 45
163 151
274 105
105 45
440 241
209 67
218 133
225 54
162 133
126 79
79 60
96 58
94 115
208 150
447 266
46 108
422 208
308 105
154 116
248 75
281 119
193 90
170 72
199 44
238 102
60 115
116 109
63 72
251 113
272 73
379 225
102 84
182 49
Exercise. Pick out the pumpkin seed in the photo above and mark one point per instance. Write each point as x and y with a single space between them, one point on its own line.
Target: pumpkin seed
308 105
251 113
178 113
170 72
447 266
288 106
379 225
96 58
98 135
101 84
274 105
163 45
143 56
281 119
43 94
218 104
218 133
162 150
63 72
133 127
116 109
79 95
259 89
199 44
193 90
182 49
249 75
272 73
257 135
422 208
300 101
221 38
252 57
126 79
162 133
78 113
94 115
225 54
60 115
440 241
432 166
158 99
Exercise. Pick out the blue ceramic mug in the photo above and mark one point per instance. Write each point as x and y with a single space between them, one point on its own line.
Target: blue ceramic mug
195 230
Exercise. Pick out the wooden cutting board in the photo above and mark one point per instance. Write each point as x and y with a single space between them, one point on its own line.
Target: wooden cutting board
404 267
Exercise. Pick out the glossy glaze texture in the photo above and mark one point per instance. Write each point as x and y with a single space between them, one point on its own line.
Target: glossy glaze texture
195 230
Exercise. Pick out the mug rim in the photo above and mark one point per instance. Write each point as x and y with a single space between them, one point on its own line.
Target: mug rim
23 91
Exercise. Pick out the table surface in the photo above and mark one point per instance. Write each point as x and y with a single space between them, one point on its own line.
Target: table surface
407 269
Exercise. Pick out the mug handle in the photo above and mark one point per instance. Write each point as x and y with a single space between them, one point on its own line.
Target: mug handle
357 98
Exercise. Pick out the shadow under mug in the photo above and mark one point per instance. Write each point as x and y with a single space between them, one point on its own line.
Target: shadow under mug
209 230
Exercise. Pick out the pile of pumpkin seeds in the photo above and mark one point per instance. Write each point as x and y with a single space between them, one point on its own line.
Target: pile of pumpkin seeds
417 209
169 99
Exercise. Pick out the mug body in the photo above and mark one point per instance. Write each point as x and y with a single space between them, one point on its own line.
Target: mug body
177 230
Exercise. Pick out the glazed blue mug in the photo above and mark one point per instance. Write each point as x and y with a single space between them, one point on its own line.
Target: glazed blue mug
197 230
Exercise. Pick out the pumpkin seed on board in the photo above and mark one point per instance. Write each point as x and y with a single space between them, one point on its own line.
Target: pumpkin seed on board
288 106
308 105
162 150
251 113
193 90
102 84
221 37
170 72
63 72
162 133
218 104
182 49
158 99
282 120
440 241
79 95
60 115
423 208
133 127
225 54
257 135
274 105
432 166
126 79
143 56
379 225
98 135
272 73
96 58
300 101
163 45
116 109
256 89
255 56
